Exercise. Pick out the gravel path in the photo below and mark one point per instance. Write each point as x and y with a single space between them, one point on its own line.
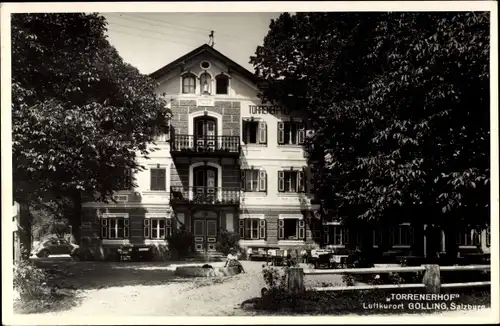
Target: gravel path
167 295
173 299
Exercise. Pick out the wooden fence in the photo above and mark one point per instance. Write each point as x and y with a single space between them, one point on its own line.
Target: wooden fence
431 281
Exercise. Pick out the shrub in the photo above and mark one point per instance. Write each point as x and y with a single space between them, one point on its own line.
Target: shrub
83 253
227 240
275 295
181 242
29 280
275 278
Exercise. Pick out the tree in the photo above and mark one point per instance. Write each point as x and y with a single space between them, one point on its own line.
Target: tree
400 107
80 114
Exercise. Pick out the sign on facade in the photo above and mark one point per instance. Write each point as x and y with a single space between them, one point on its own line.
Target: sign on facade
265 109
205 102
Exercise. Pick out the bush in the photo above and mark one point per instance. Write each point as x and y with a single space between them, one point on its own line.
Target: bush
227 240
29 280
180 242
275 278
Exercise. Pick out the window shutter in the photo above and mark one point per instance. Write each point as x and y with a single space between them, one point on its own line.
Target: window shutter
281 181
168 222
301 133
300 181
162 179
262 229
345 236
243 180
104 228
326 235
302 230
281 133
307 178
126 228
412 235
242 229
477 238
154 178
458 238
262 180
281 229
262 132
146 228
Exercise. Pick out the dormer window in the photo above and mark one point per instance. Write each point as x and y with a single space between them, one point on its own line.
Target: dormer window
188 84
222 84
206 83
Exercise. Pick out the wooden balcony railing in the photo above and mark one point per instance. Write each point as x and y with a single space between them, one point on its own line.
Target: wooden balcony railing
229 145
205 195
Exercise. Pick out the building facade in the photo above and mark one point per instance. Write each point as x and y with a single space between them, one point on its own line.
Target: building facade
230 163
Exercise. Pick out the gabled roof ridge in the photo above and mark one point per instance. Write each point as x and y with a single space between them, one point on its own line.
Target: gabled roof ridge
199 50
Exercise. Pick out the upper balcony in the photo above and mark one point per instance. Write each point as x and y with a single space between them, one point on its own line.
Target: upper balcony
206 196
205 145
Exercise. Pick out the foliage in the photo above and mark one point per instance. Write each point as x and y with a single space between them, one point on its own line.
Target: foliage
29 281
227 240
275 278
400 107
180 241
89 114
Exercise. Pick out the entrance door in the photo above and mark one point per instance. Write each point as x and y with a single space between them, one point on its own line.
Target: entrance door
205 234
205 184
205 134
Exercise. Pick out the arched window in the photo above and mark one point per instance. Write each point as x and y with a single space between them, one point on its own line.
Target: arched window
222 84
206 83
188 84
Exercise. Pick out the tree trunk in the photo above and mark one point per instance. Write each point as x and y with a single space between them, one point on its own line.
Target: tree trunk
24 230
451 242
433 242
76 218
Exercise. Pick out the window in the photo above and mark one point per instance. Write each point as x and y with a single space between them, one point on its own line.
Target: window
205 64
158 179
291 181
157 228
291 133
125 182
469 237
114 228
252 229
402 235
254 132
291 229
222 84
253 180
336 235
188 84
488 237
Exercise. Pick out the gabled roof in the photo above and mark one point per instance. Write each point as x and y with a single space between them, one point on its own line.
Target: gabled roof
200 50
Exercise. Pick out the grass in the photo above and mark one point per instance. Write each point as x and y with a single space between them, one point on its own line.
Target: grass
368 302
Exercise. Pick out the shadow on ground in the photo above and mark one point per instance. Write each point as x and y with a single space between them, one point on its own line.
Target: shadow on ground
90 275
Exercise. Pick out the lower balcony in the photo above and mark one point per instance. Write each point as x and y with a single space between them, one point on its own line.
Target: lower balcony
216 146
205 196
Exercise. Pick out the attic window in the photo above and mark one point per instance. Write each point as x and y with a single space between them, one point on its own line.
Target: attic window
188 84
221 84
205 64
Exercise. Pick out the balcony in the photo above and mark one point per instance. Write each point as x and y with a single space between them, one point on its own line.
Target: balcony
204 196
218 146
